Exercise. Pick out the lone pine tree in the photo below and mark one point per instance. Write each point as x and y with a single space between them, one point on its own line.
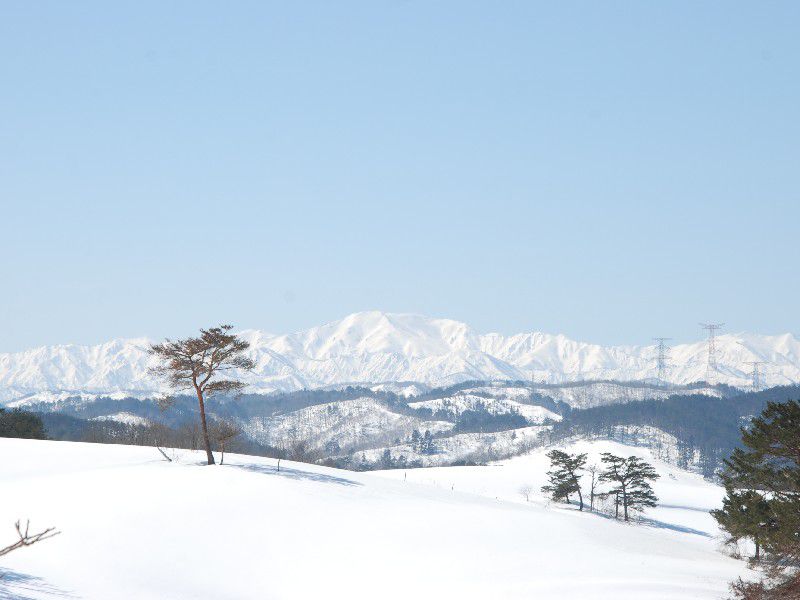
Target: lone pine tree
196 363
762 484
630 478
564 475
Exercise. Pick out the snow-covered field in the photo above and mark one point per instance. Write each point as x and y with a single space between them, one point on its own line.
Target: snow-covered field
134 526
685 498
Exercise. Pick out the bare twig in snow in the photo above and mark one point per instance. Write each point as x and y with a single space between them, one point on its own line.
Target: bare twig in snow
28 539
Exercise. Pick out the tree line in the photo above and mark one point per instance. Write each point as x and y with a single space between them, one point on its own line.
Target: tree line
710 426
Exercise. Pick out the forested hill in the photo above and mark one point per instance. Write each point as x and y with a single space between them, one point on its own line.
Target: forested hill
708 425
470 423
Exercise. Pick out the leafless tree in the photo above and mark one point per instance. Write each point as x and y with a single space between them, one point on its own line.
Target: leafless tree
160 436
301 451
197 362
525 491
26 538
223 432
188 435
593 471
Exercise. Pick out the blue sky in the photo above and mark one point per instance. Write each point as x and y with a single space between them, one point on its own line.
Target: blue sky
612 171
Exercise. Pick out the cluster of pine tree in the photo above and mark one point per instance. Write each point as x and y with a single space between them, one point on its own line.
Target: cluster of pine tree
629 479
423 443
762 502
18 423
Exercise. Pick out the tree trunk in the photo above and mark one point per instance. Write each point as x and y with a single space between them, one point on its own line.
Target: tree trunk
222 454
206 440
625 504
758 550
580 498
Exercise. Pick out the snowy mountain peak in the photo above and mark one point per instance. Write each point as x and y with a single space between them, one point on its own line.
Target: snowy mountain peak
376 347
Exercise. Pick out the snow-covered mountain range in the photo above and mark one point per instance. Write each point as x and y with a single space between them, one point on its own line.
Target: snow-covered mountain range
377 347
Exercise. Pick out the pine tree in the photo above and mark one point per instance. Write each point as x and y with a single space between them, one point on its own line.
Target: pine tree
631 478
762 482
427 443
564 475
415 439
17 423
744 515
197 364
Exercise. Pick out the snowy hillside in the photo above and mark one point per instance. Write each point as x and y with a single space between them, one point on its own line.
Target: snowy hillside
134 526
457 404
350 424
685 498
377 348
469 448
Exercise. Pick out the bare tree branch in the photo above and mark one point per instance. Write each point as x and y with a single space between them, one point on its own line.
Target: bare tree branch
26 538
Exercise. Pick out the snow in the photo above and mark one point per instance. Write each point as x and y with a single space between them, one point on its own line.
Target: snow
406 390
135 526
473 447
360 422
123 417
597 393
459 403
380 348
685 498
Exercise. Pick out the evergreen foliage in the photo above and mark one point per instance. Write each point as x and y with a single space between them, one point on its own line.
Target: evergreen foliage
630 478
200 363
564 475
762 503
18 423
700 423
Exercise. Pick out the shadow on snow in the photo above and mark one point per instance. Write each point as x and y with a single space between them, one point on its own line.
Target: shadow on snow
296 474
681 528
20 586
647 521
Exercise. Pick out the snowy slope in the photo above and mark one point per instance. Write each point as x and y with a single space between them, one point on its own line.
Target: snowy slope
457 404
358 423
135 527
375 348
475 448
685 498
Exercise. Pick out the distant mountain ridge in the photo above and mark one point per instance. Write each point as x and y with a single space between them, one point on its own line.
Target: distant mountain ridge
376 347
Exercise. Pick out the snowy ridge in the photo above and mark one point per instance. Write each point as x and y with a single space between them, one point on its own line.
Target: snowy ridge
457 404
380 348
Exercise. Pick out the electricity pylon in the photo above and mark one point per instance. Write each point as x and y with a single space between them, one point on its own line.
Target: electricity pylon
662 358
711 366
